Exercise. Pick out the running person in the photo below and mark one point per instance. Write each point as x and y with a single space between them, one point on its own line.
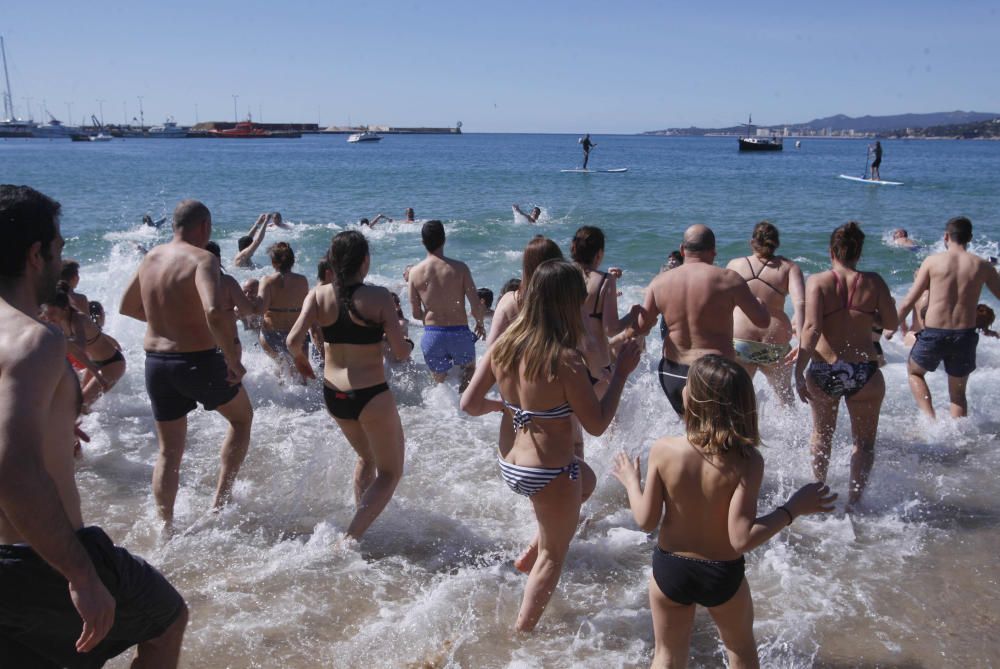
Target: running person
281 295
705 485
836 343
771 279
354 318
537 365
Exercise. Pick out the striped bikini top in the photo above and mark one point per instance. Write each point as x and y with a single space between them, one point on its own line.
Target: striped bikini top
522 417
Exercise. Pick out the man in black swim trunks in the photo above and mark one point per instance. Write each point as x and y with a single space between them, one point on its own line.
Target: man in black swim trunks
587 146
877 152
68 596
192 351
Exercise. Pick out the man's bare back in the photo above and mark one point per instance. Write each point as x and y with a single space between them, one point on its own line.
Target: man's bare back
439 287
697 301
954 280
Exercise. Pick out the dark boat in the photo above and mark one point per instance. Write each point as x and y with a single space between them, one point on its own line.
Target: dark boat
753 143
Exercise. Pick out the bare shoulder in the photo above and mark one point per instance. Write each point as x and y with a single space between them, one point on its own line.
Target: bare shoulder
751 466
26 344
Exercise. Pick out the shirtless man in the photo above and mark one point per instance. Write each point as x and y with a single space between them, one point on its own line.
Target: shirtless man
438 288
250 242
234 297
184 364
954 279
696 301
56 575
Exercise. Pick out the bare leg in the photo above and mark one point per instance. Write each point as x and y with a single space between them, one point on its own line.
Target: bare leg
588 481
918 385
172 435
364 469
956 393
384 436
239 412
824 411
163 651
672 624
864 411
439 377
735 622
557 508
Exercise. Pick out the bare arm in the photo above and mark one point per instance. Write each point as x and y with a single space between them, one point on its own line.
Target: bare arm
261 220
993 280
244 256
308 317
400 346
474 401
502 318
647 319
221 321
29 498
131 304
612 323
646 503
264 294
416 305
812 329
244 307
596 414
889 319
475 306
748 304
797 291
921 283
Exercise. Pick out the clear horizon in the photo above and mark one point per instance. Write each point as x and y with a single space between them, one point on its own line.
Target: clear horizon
525 67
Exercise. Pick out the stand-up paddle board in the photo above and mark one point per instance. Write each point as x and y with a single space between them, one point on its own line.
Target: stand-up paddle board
871 181
617 170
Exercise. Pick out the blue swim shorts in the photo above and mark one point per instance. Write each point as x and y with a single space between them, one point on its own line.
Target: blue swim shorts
445 347
956 348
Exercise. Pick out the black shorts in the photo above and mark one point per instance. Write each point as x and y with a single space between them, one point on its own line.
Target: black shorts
176 382
877 163
39 626
956 348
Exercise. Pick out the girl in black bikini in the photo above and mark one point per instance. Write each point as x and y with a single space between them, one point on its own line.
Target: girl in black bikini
354 317
705 487
841 306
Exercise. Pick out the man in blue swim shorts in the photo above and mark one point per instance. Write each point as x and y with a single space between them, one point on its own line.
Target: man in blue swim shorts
953 280
439 287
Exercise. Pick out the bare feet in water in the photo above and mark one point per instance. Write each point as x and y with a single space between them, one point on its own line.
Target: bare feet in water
526 560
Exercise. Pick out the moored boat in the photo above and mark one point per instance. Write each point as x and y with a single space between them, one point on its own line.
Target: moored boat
248 130
366 136
754 143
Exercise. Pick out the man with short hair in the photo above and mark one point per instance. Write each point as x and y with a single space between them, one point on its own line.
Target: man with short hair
248 244
56 575
696 300
953 280
192 351
439 287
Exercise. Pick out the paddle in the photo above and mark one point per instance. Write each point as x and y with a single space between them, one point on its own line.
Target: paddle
868 156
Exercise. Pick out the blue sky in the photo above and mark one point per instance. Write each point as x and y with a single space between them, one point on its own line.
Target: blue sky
538 66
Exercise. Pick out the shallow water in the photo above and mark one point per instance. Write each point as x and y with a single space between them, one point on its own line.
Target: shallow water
910 582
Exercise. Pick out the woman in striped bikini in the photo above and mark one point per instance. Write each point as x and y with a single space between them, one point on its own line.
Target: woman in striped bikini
537 363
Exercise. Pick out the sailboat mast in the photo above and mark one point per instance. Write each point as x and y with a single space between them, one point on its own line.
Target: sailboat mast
8 101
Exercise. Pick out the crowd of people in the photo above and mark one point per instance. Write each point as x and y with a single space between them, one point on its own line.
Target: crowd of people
558 350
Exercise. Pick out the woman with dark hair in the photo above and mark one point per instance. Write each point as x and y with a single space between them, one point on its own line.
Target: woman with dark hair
771 278
98 355
543 383
354 318
836 343
281 295
705 485
601 306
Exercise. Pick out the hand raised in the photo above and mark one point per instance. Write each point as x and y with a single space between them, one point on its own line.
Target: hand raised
811 498
625 469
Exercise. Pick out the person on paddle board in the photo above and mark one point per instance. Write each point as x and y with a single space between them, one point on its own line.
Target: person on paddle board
587 146
877 150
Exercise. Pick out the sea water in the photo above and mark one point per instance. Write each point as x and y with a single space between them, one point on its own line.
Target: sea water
911 581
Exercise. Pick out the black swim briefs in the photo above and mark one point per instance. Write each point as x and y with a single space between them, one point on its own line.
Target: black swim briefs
688 580
673 378
39 625
176 382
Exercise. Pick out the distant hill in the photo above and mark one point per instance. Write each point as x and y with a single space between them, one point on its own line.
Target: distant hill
979 130
862 124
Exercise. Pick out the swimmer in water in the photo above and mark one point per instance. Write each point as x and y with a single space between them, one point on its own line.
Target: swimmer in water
533 217
902 239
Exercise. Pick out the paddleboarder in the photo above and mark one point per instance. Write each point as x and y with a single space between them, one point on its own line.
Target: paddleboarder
587 146
877 150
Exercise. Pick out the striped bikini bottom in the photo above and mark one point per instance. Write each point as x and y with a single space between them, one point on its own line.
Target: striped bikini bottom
529 480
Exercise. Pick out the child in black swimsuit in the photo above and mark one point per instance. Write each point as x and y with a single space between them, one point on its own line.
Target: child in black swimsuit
705 486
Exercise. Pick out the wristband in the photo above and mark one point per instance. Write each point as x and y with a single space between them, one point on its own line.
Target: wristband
788 513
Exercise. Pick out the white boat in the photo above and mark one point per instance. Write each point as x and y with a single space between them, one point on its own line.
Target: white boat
366 136
169 130
100 137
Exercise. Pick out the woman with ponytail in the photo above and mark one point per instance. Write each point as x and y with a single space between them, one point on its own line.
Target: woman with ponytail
836 343
355 318
771 278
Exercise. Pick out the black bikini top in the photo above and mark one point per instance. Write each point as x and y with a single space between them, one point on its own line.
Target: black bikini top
598 312
345 331
756 275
